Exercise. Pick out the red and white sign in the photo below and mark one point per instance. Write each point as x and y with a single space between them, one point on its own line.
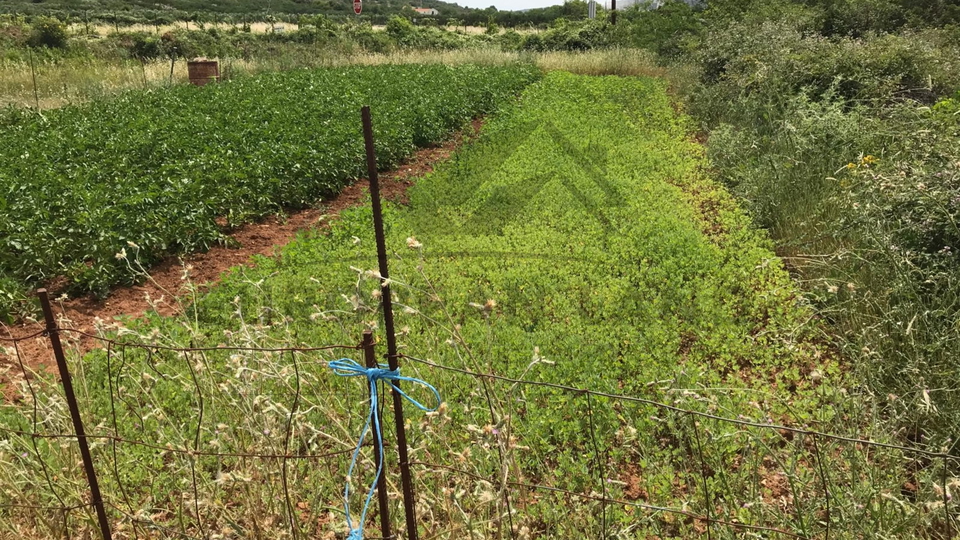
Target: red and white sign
357 6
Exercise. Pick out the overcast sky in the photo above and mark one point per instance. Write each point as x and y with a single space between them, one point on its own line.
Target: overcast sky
507 4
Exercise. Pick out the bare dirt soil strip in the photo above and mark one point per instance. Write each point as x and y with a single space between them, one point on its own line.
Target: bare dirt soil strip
205 269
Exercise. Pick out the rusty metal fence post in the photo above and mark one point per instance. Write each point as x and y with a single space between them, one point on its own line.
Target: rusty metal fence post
370 361
33 73
53 332
406 480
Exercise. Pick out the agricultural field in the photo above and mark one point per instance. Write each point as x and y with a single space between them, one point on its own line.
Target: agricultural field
90 195
597 285
578 244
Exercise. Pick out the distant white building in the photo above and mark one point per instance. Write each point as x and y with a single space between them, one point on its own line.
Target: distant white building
652 4
430 12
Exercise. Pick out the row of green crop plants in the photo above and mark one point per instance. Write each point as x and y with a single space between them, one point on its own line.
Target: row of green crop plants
92 193
577 241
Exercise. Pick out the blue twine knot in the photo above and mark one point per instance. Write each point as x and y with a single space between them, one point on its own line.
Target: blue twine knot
346 367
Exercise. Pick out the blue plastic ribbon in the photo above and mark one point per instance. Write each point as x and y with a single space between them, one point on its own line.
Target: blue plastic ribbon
346 367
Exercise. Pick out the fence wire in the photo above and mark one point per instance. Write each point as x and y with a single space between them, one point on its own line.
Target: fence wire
188 450
680 410
810 442
195 514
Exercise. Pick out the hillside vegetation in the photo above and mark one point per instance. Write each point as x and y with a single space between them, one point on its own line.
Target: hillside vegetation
147 11
119 13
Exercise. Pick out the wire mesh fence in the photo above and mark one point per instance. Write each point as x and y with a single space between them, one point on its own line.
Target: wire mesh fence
731 476
171 467
162 434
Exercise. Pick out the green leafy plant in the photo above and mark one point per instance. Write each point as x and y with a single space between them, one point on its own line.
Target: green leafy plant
95 193
48 32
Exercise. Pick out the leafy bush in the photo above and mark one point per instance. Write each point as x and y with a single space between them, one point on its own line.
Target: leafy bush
146 47
831 144
402 31
405 35
670 31
569 36
367 38
778 158
897 213
777 59
48 32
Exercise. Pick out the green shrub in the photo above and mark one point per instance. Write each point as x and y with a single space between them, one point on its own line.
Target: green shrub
510 40
830 144
367 38
569 36
401 30
48 32
898 212
532 42
670 31
776 60
146 47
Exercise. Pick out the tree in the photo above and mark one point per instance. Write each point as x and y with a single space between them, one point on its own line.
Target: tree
402 31
575 10
492 27
666 30
408 13
146 47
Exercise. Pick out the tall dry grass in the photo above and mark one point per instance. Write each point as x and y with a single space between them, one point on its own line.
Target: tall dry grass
107 29
75 80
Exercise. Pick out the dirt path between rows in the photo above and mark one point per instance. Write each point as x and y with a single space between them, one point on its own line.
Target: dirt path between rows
204 269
